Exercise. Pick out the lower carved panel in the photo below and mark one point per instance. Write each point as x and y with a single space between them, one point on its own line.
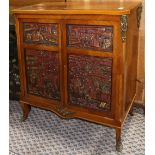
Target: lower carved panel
42 71
90 81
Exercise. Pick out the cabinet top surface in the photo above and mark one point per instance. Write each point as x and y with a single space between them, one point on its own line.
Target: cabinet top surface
109 7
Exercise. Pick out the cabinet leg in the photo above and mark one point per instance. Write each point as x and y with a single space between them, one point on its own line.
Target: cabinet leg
119 145
26 109
131 111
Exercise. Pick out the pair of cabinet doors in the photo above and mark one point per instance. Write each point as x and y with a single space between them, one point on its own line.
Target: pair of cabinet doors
69 63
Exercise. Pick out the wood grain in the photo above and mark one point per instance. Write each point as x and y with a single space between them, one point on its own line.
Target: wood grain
123 54
110 7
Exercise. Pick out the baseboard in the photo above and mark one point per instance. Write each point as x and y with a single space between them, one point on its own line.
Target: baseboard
139 104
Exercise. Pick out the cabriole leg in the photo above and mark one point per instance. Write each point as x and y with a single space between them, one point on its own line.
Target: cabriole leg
26 109
119 145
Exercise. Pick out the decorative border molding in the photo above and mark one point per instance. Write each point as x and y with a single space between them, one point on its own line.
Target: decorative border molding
138 12
64 112
124 26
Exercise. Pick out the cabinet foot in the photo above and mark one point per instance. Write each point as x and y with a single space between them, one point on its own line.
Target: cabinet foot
26 109
131 111
23 118
119 145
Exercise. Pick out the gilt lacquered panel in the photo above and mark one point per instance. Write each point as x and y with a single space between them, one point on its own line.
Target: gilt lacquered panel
99 38
42 73
90 82
40 33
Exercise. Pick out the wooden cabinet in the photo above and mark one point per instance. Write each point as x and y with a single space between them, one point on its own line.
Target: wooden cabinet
79 59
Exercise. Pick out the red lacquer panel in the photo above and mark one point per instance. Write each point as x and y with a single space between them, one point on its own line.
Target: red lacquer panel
90 37
40 33
42 72
90 82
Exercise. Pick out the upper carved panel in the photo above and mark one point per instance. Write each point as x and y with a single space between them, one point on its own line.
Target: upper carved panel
99 38
38 33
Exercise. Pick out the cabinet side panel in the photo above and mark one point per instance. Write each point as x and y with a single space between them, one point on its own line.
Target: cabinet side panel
131 58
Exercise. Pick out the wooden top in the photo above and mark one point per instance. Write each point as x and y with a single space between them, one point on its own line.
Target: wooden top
109 7
13 4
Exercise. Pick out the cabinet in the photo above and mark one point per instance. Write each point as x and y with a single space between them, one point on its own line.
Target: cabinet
79 59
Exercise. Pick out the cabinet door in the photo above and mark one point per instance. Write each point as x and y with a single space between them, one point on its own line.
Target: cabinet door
42 73
89 50
42 58
90 82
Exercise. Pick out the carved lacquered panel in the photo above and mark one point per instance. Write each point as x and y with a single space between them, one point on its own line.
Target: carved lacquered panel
38 33
42 72
90 81
90 37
